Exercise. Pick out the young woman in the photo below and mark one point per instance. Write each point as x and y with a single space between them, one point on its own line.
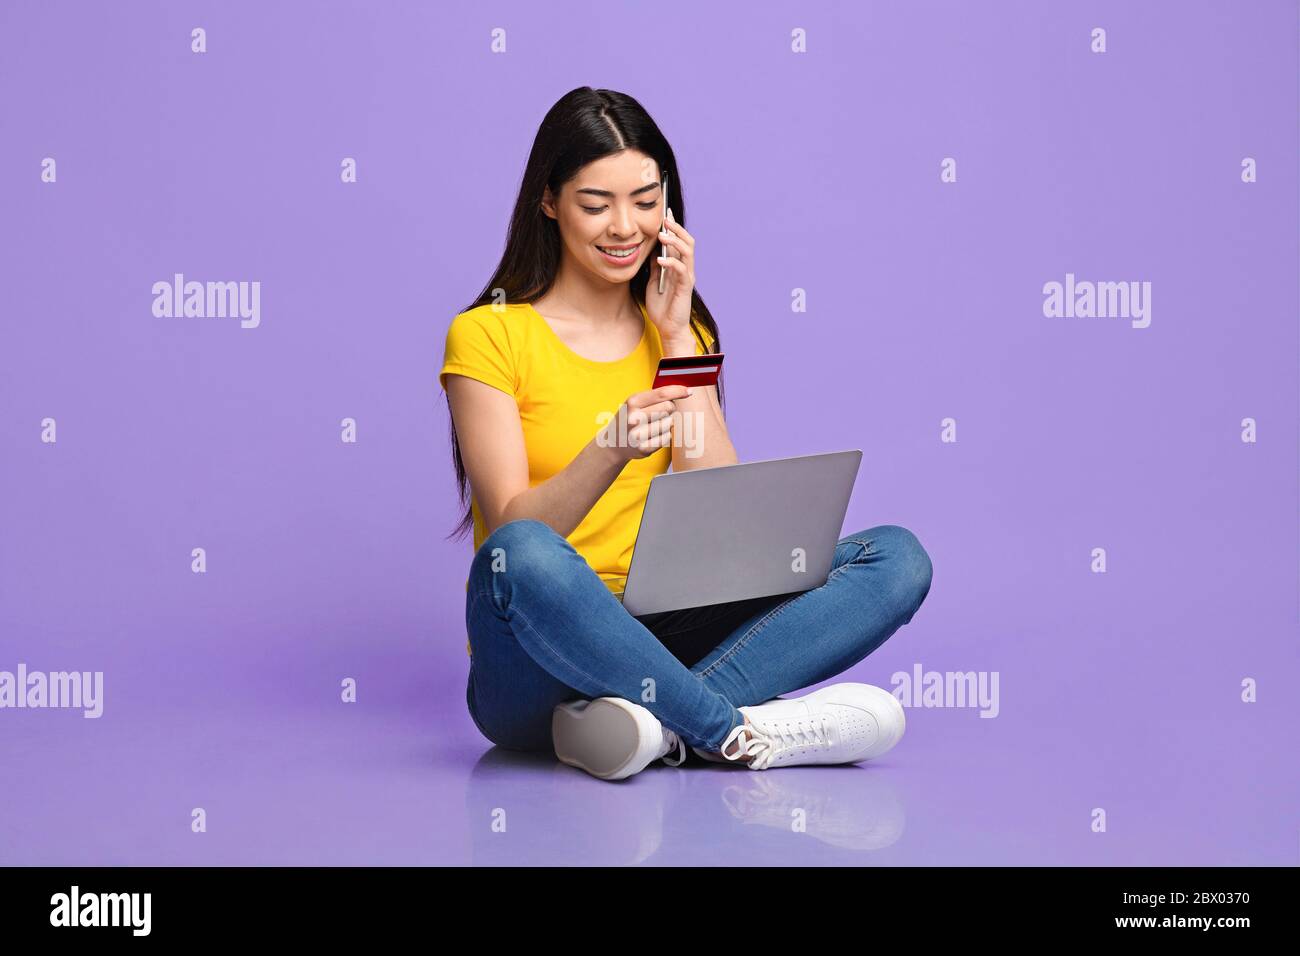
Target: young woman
557 435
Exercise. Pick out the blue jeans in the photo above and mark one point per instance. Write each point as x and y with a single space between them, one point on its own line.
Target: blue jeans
543 629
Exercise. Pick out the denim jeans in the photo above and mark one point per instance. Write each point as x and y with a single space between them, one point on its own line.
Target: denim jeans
543 629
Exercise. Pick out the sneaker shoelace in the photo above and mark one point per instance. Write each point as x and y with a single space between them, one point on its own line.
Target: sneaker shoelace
674 743
766 741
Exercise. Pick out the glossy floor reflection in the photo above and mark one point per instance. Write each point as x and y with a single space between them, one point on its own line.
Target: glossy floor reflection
406 782
696 814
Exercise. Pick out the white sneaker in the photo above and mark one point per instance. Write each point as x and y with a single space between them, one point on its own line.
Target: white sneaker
842 723
611 738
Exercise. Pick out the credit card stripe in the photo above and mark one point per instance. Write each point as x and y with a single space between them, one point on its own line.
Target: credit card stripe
687 361
689 371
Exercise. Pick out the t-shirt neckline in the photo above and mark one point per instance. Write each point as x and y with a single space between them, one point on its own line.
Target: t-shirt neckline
593 363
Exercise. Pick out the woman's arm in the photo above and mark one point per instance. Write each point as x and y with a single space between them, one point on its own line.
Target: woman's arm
491 441
492 448
703 441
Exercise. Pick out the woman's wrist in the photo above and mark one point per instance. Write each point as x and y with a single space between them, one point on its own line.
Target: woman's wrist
675 348
608 451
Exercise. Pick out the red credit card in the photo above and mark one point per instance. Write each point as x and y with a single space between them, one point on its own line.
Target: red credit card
688 370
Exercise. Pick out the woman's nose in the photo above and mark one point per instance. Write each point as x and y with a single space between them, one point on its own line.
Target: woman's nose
624 223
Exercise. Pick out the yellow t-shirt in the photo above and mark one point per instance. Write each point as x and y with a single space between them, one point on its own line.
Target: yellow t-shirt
564 399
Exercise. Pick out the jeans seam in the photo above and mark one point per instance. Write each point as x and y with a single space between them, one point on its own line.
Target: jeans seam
480 593
594 680
474 597
550 647
541 638
483 593
747 637
772 614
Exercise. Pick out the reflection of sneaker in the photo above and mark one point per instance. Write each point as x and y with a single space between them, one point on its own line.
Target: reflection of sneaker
610 737
856 811
842 723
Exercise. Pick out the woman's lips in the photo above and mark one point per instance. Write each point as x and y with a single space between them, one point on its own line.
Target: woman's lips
626 260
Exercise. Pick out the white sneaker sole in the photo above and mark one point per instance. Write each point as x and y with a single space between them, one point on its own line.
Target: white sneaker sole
608 737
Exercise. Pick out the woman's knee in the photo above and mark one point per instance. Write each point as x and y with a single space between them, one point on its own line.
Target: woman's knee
522 548
909 560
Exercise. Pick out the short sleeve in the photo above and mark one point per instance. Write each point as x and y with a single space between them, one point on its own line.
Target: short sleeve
477 347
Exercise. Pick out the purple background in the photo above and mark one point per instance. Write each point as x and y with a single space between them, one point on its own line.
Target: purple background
817 171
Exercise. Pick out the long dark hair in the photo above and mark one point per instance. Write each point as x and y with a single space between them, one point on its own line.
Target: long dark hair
583 126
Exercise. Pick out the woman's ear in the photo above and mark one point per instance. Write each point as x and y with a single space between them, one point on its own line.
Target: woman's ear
548 202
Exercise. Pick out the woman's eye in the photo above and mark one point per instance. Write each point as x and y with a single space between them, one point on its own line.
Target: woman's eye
643 205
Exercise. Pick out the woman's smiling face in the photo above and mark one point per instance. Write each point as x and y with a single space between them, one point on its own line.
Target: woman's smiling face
609 214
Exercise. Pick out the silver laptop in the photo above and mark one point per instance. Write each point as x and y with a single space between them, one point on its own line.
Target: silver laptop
730 533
